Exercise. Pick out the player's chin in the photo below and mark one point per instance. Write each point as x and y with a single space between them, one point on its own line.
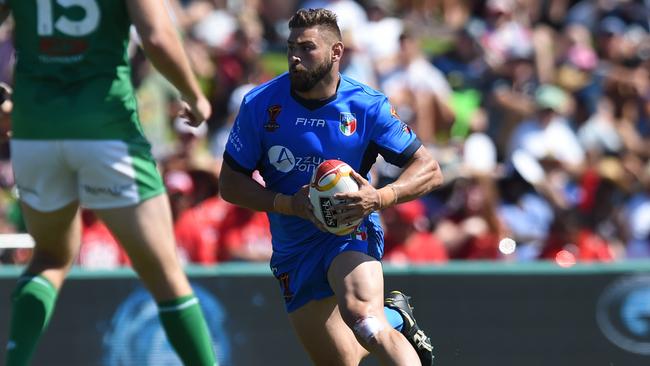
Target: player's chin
301 83
297 82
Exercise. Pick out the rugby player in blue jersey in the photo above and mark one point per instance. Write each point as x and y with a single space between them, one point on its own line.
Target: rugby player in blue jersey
332 285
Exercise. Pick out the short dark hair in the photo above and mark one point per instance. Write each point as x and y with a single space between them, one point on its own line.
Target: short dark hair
307 18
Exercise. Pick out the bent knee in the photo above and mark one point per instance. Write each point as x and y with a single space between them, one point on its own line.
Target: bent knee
367 328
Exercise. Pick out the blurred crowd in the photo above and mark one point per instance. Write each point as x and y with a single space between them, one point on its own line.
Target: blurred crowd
537 110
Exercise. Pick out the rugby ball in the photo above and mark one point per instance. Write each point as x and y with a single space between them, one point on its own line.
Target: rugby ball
329 178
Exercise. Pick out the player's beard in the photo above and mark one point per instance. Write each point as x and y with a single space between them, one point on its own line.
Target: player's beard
305 80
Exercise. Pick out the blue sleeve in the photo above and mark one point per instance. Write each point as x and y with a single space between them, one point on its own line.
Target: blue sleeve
395 141
243 149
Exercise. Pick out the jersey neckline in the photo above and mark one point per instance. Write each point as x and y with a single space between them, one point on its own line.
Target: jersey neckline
313 104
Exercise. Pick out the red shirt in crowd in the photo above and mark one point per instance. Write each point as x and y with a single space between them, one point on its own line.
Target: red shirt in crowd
419 247
589 247
99 249
405 241
246 235
198 229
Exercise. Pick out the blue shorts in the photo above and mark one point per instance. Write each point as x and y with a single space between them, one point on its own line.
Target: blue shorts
303 276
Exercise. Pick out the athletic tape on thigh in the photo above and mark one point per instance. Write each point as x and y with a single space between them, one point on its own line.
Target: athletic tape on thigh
367 328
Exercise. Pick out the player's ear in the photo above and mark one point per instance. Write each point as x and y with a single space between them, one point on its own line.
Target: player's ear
337 51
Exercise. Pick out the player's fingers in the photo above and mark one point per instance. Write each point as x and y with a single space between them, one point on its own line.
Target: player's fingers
185 107
302 199
347 197
341 207
187 114
304 190
191 119
355 202
346 218
311 216
350 214
361 181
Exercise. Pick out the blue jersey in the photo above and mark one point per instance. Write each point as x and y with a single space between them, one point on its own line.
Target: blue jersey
286 137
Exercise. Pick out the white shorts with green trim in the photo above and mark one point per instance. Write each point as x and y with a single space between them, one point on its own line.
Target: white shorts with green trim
98 173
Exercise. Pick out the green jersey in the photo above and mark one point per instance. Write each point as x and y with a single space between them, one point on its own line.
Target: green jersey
72 77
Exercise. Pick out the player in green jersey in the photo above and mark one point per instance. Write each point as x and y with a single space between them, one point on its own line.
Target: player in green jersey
77 142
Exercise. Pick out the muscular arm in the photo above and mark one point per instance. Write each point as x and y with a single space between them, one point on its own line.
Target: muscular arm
241 190
420 176
163 46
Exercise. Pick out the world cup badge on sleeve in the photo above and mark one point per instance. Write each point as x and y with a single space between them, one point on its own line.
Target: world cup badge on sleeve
273 112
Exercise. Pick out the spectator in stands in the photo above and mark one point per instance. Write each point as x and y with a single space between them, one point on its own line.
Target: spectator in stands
352 17
199 227
158 101
419 90
464 68
548 135
509 97
379 38
599 134
570 236
637 217
355 62
245 236
526 215
507 36
99 249
219 138
471 228
408 237
179 186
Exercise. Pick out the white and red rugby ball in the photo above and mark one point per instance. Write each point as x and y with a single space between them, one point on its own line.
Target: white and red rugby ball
329 178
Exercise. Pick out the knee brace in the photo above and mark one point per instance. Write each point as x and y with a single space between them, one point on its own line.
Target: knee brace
367 328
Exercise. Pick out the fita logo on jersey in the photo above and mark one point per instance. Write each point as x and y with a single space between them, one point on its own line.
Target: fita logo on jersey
272 124
348 123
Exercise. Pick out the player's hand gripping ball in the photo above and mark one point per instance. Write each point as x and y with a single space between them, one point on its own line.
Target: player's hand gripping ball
329 178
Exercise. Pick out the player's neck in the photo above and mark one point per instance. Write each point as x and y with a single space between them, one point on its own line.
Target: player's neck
325 88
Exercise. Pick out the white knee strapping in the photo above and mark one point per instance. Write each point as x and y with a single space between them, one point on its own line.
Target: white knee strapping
367 328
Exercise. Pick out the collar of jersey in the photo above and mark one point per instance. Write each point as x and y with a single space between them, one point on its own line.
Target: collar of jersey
313 104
